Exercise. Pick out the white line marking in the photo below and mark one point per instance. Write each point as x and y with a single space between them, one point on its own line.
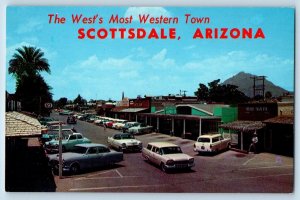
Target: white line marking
91 175
269 167
291 174
245 163
98 178
113 187
119 173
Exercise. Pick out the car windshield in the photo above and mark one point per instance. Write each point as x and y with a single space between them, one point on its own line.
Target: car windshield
170 150
55 133
80 150
127 136
203 140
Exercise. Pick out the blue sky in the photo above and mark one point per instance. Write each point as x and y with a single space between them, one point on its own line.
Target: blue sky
102 69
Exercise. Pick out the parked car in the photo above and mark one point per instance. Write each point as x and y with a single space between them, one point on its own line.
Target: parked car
44 120
91 118
119 124
71 120
211 143
129 125
167 156
124 141
140 129
65 112
68 143
85 156
53 134
54 123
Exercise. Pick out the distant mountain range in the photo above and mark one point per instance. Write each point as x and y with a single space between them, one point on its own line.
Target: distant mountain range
245 83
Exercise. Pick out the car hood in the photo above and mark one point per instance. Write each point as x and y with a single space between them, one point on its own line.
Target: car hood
129 141
177 156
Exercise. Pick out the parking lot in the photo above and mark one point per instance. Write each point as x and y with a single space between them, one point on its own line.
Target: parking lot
228 171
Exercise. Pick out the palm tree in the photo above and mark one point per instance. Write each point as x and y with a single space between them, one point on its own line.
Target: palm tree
31 88
29 62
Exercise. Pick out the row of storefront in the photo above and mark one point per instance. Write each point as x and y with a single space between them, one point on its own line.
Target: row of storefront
187 118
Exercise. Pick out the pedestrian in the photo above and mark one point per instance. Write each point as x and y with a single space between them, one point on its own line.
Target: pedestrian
252 147
104 126
171 133
74 130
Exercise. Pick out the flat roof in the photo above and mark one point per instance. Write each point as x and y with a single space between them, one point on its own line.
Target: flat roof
190 117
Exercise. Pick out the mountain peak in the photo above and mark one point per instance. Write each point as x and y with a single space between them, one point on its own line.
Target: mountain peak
245 84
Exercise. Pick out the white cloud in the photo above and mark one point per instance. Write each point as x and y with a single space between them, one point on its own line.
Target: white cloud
160 60
153 11
48 54
109 63
226 65
31 25
189 47
129 74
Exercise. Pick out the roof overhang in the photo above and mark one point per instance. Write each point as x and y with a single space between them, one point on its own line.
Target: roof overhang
244 126
21 125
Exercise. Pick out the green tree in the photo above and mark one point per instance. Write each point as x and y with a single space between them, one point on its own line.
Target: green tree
268 95
216 92
202 92
60 103
31 88
28 62
79 100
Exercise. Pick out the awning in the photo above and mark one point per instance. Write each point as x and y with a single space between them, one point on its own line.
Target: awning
245 126
20 125
280 120
133 110
187 117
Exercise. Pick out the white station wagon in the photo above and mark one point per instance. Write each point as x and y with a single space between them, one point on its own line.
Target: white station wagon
167 156
211 143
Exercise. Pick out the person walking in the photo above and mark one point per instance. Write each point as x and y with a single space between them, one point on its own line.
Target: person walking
252 147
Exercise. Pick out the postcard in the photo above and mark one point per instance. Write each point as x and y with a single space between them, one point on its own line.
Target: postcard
150 99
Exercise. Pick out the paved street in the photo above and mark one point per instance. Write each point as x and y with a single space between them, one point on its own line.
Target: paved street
229 171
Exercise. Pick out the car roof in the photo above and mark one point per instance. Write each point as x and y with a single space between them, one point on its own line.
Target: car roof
122 134
162 144
210 135
87 145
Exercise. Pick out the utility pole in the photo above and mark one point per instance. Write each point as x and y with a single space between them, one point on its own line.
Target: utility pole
258 88
60 151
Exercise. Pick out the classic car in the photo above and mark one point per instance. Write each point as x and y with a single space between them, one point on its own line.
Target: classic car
91 118
71 120
124 141
85 156
53 134
211 143
68 143
44 120
129 125
167 156
65 112
140 129
119 124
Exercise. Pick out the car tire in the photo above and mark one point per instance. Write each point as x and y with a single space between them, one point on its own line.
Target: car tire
229 146
120 149
75 168
163 167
